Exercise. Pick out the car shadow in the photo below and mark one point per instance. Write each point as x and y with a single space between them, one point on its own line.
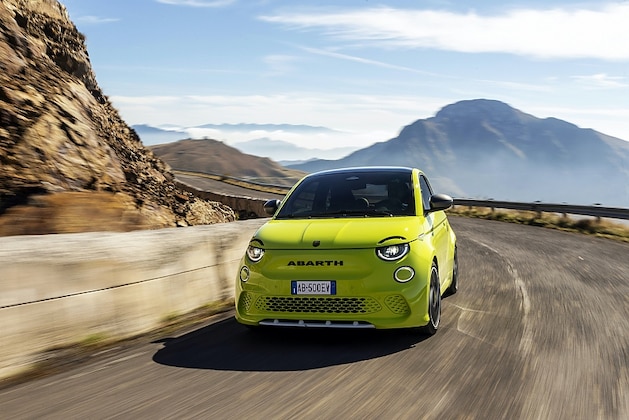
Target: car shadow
227 345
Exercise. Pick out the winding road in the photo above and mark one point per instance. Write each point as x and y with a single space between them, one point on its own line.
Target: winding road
538 330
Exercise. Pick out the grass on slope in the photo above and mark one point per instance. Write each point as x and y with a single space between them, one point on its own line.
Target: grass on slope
605 228
587 225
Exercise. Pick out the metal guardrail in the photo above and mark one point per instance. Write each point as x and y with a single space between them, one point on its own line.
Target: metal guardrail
594 211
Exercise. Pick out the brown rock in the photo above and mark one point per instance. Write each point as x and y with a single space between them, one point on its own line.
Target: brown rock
65 152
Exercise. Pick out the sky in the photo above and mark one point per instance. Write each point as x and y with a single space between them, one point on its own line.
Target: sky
363 68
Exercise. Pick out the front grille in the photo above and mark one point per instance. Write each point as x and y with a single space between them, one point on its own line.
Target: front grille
397 304
318 305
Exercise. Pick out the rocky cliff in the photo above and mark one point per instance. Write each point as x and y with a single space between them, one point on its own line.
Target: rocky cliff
68 162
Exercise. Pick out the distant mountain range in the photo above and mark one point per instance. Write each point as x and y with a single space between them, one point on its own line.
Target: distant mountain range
487 149
476 149
284 152
154 135
260 139
298 128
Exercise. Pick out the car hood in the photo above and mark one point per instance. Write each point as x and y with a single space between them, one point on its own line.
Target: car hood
337 233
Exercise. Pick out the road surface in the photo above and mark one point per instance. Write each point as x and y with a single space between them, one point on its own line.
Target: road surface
220 187
538 330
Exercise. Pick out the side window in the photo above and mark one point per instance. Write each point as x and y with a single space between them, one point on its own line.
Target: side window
426 192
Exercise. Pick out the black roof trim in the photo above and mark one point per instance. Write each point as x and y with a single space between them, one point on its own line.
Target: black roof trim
364 169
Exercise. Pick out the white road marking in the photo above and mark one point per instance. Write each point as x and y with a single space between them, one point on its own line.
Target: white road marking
526 341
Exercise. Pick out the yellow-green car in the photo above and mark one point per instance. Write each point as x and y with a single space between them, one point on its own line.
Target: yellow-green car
367 247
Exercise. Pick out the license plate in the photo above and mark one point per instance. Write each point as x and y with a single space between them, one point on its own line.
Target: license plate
316 287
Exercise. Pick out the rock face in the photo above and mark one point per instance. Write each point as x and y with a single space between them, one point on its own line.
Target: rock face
68 162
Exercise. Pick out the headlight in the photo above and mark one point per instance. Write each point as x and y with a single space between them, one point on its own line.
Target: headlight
392 252
254 253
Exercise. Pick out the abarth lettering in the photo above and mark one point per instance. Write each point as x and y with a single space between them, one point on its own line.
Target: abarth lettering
318 263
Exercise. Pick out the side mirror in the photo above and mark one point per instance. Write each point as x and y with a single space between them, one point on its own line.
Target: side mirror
440 202
270 207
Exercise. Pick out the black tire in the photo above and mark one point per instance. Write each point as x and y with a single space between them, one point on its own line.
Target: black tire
454 286
434 303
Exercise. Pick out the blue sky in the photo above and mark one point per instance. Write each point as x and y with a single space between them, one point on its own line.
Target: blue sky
366 68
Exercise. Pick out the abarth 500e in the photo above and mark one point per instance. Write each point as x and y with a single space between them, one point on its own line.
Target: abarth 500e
367 247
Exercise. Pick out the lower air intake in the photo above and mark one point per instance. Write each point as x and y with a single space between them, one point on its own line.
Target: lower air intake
318 305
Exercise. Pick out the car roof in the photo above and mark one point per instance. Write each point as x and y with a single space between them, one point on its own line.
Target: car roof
364 169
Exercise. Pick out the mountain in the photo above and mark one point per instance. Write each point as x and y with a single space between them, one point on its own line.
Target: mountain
69 163
255 139
154 135
215 157
238 133
279 150
296 128
487 149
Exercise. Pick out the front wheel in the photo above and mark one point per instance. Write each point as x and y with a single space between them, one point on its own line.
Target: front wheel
434 303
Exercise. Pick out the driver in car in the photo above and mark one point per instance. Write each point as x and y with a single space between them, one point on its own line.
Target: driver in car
397 200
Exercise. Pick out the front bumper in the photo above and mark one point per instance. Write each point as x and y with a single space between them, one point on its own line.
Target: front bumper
379 310
366 293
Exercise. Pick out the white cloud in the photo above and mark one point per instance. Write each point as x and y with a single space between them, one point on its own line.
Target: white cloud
328 140
364 118
364 60
94 20
199 3
551 33
602 80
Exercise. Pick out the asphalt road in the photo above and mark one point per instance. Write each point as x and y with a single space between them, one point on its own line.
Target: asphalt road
538 330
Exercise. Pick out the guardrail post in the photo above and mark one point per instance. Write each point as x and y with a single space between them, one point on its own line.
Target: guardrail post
537 210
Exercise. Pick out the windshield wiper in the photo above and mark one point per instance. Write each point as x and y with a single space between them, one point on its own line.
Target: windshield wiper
339 213
381 212
286 216
363 212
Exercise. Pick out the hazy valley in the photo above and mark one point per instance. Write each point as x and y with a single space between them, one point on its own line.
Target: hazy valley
471 149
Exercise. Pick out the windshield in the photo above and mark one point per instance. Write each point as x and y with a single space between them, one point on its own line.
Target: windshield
360 194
